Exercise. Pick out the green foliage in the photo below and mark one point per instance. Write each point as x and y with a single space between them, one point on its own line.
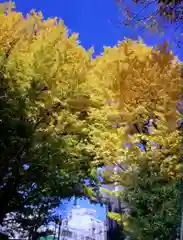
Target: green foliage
155 207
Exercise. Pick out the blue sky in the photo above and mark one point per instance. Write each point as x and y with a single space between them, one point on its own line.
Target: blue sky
96 21
83 203
98 25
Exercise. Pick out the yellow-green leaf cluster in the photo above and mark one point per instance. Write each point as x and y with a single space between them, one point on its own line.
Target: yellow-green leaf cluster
45 102
139 87
136 84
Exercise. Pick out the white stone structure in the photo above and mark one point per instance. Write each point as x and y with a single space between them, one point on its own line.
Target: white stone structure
82 224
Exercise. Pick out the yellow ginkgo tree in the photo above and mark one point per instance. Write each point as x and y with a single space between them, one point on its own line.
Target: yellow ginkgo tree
140 88
46 150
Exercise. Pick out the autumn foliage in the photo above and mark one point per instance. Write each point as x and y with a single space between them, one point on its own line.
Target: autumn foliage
63 114
140 88
46 152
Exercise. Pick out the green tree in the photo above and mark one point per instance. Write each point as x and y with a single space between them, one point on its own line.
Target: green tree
155 206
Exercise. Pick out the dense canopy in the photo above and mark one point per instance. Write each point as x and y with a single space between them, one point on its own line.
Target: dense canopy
140 88
63 114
